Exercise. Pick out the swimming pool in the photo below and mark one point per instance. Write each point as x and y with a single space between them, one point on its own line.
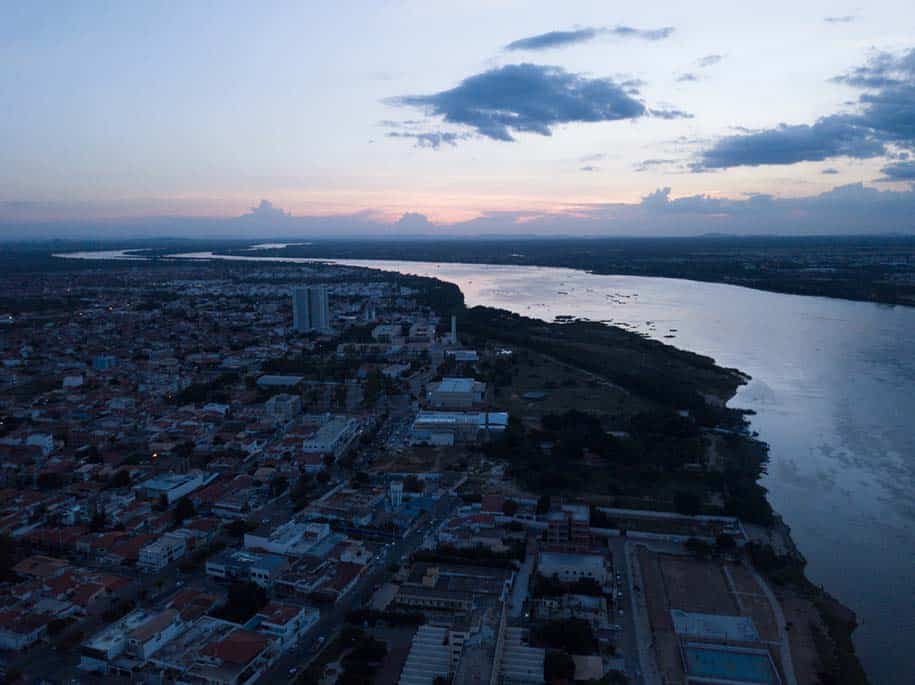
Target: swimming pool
729 663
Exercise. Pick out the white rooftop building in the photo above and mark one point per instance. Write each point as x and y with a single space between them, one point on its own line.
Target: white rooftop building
429 657
457 393
569 567
291 538
160 553
283 407
174 486
450 428
333 437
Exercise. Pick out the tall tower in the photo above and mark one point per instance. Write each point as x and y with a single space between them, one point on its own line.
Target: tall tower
454 338
396 492
310 311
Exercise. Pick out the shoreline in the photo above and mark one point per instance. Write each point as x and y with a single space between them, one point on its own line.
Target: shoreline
831 623
742 262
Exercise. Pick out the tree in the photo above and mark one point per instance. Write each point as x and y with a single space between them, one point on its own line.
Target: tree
698 547
510 507
236 529
323 477
48 481
558 667
242 602
373 386
412 484
725 542
687 503
98 521
121 479
340 396
543 505
6 557
574 636
184 509
278 485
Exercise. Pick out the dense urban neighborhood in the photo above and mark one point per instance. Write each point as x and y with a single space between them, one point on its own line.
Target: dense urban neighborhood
230 473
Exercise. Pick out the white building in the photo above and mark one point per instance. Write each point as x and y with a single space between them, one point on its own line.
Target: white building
450 428
310 311
291 538
396 492
140 634
159 554
286 622
284 407
174 486
569 567
333 437
387 332
467 356
457 393
44 441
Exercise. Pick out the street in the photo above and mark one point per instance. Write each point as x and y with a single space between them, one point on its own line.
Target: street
299 656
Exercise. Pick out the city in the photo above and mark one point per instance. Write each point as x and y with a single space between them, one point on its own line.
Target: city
457 343
232 473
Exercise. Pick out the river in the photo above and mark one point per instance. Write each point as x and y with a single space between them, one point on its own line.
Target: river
833 388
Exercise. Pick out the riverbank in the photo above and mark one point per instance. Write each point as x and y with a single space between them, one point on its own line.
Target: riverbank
670 378
874 269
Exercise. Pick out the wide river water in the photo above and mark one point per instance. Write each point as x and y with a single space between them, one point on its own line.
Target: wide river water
833 387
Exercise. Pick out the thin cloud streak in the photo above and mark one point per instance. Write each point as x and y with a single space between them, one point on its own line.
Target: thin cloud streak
560 39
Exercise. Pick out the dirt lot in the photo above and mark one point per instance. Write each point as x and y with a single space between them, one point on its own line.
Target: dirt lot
697 585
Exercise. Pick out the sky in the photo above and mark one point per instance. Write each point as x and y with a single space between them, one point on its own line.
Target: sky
423 117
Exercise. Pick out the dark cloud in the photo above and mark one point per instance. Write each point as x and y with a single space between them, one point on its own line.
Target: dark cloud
670 114
846 19
647 34
589 167
553 39
687 78
829 137
899 171
830 171
883 70
430 139
709 60
527 98
885 117
648 164
558 39
595 157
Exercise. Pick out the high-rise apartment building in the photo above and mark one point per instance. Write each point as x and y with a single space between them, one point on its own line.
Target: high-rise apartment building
310 311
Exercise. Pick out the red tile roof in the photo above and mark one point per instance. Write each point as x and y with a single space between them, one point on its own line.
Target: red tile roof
239 647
